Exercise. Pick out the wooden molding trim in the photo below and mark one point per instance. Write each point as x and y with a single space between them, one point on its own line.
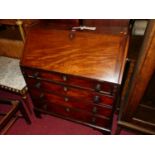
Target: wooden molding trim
144 69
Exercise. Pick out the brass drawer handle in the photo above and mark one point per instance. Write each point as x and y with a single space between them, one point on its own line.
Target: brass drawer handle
96 99
65 89
64 77
98 87
38 85
68 109
66 99
94 110
36 74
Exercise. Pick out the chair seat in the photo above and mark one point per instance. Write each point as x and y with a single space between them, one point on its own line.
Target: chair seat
10 74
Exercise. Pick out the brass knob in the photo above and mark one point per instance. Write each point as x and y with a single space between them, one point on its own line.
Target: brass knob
36 74
68 109
96 99
98 87
94 109
38 85
66 99
64 77
65 88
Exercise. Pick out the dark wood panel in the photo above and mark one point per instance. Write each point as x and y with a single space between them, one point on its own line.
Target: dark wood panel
149 95
146 114
61 22
106 22
108 25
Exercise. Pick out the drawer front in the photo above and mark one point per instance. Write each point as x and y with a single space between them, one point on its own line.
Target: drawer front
46 86
94 85
101 87
75 114
87 96
35 73
92 108
77 94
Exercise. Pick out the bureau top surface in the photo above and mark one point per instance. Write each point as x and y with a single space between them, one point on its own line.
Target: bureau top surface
93 55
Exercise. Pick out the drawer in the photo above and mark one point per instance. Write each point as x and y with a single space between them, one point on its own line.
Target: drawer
66 101
94 85
92 119
37 73
78 94
45 86
88 96
75 114
86 83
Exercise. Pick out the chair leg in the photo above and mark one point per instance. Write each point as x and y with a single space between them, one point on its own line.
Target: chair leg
26 101
9 125
118 130
24 113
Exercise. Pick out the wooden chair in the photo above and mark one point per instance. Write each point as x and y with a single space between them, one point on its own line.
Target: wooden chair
9 118
12 80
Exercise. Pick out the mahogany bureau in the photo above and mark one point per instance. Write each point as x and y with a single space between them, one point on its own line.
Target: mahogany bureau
75 74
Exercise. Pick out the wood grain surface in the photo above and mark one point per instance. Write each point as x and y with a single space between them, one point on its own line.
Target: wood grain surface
87 54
